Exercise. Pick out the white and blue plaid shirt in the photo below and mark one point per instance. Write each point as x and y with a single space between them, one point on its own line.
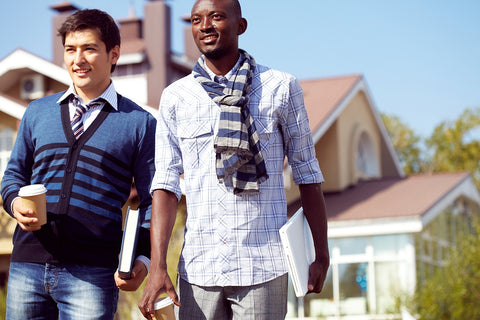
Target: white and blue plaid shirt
233 240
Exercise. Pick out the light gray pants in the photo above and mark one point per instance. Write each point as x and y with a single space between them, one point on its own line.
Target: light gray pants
265 301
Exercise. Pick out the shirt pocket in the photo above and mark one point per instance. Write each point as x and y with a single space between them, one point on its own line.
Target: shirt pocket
265 130
195 142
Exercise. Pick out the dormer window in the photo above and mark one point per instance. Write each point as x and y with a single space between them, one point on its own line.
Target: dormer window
366 158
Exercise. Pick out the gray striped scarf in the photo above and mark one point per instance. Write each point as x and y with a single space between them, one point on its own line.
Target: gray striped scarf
237 145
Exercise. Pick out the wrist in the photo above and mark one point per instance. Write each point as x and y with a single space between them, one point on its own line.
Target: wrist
11 205
145 261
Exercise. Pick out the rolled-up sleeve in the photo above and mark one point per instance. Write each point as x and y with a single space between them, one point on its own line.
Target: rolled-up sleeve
168 159
298 140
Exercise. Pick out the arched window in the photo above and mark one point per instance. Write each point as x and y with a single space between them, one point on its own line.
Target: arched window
366 160
6 146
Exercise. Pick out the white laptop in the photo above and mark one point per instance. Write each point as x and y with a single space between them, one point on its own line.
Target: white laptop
297 241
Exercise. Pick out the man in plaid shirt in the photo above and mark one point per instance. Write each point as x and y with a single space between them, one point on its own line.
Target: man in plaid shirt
227 128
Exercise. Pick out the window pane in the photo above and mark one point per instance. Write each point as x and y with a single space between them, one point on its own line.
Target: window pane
351 245
388 285
389 245
353 288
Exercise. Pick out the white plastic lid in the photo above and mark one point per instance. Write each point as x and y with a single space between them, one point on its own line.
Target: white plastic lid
32 190
163 303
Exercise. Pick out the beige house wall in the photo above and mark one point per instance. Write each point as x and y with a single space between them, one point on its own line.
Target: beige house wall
13 91
7 121
328 155
327 152
338 164
7 224
7 227
341 140
357 118
292 192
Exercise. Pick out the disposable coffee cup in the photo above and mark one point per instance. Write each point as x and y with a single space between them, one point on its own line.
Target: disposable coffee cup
34 197
164 309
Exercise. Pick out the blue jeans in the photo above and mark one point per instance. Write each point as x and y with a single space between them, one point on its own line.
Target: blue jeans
65 292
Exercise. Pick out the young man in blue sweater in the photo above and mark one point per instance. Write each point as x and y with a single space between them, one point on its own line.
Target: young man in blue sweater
65 269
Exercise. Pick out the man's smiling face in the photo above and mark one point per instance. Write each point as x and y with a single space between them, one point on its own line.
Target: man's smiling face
216 25
88 62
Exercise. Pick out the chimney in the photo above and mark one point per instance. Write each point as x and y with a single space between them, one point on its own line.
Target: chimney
131 27
157 46
64 9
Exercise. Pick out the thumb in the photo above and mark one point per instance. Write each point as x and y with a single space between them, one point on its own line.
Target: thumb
173 295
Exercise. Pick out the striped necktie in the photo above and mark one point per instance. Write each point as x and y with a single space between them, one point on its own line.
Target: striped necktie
77 123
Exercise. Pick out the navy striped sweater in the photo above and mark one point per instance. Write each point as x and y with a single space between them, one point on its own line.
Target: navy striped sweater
88 181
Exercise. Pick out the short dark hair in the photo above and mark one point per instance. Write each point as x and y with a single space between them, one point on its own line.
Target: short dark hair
237 7
93 19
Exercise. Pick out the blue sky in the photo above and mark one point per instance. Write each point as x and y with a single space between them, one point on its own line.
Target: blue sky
420 58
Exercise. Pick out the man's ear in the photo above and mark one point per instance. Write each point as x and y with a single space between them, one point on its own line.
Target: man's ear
115 54
242 26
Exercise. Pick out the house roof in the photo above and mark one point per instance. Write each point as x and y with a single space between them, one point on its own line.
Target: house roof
20 62
326 98
323 96
396 205
389 198
12 107
420 197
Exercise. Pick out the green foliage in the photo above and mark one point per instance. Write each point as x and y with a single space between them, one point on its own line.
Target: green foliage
453 293
455 145
3 302
405 142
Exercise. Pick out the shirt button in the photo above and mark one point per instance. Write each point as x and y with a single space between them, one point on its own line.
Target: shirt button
64 196
69 170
